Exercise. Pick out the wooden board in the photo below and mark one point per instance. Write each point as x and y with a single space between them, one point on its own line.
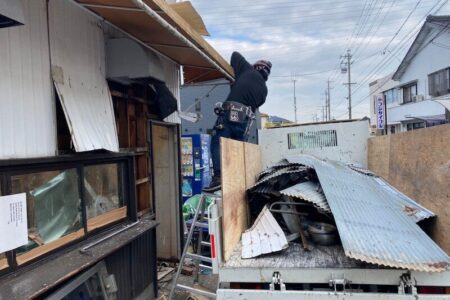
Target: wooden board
3 263
36 252
253 164
107 218
166 184
419 166
190 15
240 163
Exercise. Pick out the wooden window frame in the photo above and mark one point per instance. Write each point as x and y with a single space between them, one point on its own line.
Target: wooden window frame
128 212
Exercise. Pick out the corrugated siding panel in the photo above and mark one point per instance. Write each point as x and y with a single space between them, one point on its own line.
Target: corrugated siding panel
134 266
172 78
78 69
143 258
27 110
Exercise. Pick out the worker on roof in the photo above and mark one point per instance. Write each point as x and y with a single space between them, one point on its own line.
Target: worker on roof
235 116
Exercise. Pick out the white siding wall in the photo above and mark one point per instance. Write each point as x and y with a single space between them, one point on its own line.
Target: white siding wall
172 78
27 110
78 69
431 59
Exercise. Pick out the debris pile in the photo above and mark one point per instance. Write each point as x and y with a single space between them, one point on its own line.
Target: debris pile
322 202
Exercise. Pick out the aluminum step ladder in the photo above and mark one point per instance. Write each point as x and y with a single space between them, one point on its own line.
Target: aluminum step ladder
197 223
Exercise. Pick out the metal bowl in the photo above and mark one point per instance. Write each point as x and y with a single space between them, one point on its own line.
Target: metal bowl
323 234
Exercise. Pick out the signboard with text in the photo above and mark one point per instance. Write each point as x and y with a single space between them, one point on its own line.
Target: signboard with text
379 108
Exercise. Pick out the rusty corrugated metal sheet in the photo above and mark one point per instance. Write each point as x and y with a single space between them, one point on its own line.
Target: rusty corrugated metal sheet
308 191
372 225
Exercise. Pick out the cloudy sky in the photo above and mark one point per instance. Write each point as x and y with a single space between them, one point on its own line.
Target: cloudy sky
305 39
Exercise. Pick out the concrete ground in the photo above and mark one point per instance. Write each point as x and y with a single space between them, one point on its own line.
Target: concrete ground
206 282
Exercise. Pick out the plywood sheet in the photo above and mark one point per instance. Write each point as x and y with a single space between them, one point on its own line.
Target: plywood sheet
378 155
191 16
419 166
240 163
253 164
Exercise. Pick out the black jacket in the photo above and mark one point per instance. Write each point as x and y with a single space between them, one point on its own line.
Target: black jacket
249 87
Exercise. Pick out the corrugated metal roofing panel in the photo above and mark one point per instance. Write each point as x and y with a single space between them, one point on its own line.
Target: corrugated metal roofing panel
172 79
78 70
308 191
282 171
27 111
265 236
371 225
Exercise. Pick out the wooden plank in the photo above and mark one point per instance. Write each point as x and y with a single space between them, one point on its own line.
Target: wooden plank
122 124
107 218
3 263
36 252
166 186
131 117
191 16
141 124
253 164
233 193
143 194
141 181
419 166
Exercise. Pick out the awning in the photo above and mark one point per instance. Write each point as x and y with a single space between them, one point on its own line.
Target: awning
444 102
157 25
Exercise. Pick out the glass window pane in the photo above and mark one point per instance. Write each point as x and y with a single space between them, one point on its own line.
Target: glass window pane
104 199
53 210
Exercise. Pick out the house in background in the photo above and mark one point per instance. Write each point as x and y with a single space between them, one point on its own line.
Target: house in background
417 95
89 154
200 99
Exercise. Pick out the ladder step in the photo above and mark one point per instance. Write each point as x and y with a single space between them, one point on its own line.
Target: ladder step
206 244
205 266
197 291
199 257
201 225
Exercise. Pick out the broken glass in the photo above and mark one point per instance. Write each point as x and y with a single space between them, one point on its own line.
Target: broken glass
103 189
53 205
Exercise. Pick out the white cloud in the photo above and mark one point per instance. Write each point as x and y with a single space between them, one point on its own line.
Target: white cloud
310 36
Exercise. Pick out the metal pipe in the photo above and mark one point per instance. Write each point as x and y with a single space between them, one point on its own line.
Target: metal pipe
175 32
85 248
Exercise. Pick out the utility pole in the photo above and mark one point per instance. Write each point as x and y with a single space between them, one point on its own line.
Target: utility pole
329 99
295 102
326 105
349 83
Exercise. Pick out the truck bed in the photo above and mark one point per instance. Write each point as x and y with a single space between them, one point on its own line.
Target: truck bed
296 257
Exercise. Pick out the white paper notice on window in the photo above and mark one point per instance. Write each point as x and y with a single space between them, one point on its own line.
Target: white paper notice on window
13 221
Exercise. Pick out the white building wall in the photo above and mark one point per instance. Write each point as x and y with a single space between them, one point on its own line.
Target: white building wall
430 59
27 105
